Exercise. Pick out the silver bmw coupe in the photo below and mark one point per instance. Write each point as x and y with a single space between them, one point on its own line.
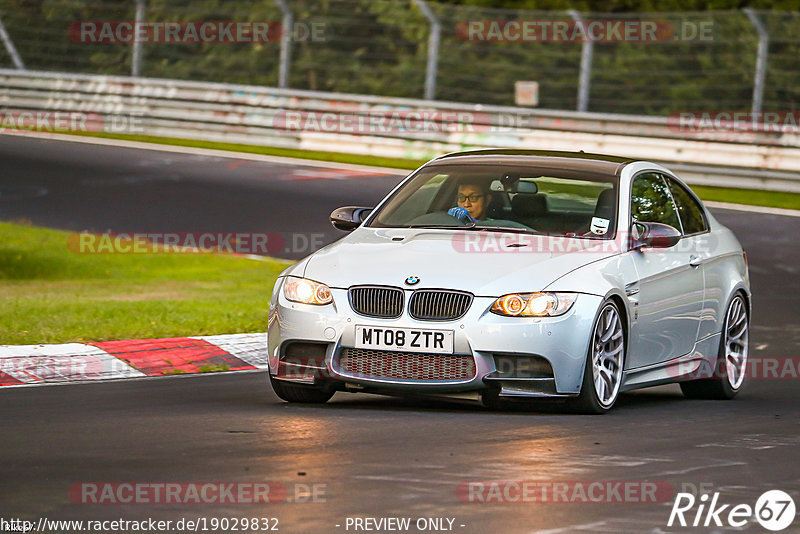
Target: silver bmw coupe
510 275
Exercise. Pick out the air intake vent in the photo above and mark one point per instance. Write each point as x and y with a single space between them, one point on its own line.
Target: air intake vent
438 305
381 364
377 301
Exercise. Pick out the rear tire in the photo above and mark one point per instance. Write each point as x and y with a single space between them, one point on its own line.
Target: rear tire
300 393
731 365
605 361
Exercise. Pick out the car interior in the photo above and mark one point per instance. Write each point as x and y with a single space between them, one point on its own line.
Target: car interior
543 204
551 212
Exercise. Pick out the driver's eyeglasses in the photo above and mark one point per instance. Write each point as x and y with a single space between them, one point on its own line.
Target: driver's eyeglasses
471 198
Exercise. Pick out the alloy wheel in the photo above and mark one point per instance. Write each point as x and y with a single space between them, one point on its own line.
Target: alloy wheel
607 355
736 336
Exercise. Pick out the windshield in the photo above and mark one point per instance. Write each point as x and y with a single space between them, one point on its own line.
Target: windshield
504 198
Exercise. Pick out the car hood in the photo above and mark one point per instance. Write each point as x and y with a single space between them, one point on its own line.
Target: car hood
483 263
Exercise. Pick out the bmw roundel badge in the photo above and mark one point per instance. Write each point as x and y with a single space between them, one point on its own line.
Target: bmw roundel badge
412 280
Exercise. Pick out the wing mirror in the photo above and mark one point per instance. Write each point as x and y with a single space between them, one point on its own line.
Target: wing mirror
653 234
349 218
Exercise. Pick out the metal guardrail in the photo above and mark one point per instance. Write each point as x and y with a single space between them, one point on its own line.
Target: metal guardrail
706 59
283 118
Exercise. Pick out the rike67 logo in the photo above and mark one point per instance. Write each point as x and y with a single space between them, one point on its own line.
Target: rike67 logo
774 510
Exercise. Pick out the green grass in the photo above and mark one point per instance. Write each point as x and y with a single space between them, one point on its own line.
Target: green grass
336 157
213 368
720 194
751 197
49 294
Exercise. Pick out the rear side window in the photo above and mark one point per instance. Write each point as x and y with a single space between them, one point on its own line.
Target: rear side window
651 201
690 212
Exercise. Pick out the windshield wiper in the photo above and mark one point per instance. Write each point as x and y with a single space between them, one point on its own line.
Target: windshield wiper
469 226
511 229
475 226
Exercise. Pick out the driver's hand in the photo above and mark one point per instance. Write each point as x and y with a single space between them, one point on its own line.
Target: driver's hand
461 214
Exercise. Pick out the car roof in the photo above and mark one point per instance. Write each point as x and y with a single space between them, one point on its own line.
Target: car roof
573 161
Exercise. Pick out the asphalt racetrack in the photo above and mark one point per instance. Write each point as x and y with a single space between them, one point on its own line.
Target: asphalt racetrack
365 456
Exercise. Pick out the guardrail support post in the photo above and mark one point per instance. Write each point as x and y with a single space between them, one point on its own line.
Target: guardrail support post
761 60
136 55
587 51
10 48
286 41
433 49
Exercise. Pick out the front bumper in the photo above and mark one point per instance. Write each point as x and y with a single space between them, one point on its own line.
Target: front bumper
561 342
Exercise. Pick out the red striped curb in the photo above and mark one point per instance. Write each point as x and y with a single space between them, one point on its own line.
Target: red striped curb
130 358
171 355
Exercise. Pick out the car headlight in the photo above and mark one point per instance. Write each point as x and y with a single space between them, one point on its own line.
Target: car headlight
306 291
534 304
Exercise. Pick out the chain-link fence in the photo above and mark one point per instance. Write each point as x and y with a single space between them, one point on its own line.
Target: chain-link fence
642 63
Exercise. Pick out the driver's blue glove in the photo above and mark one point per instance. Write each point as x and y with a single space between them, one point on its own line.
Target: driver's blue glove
461 214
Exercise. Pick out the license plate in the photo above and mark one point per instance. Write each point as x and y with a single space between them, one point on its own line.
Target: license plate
404 339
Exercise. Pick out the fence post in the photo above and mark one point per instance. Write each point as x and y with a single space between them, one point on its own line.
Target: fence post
587 51
433 49
10 48
286 41
761 60
136 56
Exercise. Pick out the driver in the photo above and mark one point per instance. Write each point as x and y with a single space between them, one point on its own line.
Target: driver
473 199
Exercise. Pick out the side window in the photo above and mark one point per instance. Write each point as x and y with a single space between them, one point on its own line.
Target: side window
691 214
651 201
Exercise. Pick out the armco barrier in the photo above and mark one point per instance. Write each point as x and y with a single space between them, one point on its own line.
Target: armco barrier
256 115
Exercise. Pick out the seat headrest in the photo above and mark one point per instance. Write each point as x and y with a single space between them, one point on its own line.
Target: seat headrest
529 205
605 205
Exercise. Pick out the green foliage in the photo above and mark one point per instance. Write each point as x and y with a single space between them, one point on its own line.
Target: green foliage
381 46
632 5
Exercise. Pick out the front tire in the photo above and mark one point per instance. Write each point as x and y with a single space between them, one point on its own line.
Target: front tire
602 375
731 366
300 393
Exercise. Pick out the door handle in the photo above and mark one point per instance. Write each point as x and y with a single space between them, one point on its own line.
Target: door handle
694 261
